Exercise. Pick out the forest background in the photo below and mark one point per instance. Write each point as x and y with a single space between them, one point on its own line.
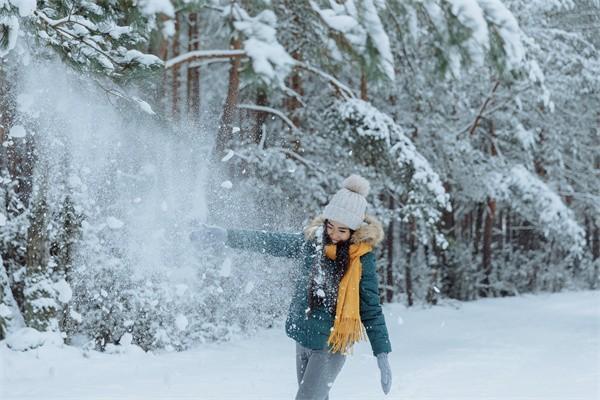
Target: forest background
124 124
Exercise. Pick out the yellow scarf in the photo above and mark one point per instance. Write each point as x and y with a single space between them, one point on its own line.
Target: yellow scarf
347 326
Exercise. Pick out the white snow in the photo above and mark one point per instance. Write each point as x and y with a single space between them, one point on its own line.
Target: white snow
151 7
76 316
356 27
5 311
225 270
249 287
29 338
181 289
534 196
226 184
17 131
114 223
142 58
203 54
228 156
380 39
531 347
145 107
470 14
126 339
74 181
508 29
25 7
269 58
2 219
181 322
64 291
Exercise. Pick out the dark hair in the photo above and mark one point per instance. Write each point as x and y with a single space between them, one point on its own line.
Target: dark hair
335 268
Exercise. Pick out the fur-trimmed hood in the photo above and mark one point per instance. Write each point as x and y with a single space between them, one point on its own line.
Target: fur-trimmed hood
370 232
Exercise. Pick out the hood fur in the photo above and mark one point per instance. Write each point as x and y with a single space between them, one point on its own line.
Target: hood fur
370 232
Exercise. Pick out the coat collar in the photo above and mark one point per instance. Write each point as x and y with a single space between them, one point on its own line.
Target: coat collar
370 232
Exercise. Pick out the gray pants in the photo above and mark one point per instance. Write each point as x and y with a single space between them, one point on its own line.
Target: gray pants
316 371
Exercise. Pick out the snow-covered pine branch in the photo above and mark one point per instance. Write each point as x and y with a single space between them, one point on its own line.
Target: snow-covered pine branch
10 13
358 25
539 204
270 61
195 55
472 31
374 134
10 315
88 35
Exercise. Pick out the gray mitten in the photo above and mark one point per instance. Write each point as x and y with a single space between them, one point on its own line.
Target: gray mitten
209 235
386 372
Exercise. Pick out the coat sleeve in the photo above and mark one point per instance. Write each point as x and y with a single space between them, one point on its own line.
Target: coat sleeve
273 243
371 313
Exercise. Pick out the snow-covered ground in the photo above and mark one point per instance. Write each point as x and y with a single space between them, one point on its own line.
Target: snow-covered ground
531 347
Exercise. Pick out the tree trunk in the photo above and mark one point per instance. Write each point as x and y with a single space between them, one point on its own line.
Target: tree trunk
412 246
363 85
225 134
293 104
448 221
389 276
486 266
477 234
595 255
595 241
193 73
175 71
163 53
260 116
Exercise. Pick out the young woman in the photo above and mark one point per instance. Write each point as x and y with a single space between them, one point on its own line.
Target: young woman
336 298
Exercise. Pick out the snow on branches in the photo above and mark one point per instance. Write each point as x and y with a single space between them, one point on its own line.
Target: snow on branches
471 30
537 202
10 10
270 60
411 176
358 25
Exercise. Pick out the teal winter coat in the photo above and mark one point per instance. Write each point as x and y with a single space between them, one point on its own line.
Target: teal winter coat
312 330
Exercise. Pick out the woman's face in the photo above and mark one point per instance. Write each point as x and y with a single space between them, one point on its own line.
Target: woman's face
337 232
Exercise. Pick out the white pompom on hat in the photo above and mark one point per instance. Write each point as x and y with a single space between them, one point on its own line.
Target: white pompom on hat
348 205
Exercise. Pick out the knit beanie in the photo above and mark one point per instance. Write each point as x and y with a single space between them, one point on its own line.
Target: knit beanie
348 205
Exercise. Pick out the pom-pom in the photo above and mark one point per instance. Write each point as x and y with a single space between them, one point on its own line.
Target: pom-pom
357 184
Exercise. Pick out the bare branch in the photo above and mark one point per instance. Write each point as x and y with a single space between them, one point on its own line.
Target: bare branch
482 109
270 111
344 90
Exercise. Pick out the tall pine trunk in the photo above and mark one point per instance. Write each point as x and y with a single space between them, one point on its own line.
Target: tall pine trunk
260 117
486 265
412 248
175 71
390 246
364 85
225 135
293 104
193 73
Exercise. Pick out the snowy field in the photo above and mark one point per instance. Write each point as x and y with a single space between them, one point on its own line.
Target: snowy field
541 347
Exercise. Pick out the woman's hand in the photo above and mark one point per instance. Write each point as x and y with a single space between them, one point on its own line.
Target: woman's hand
386 372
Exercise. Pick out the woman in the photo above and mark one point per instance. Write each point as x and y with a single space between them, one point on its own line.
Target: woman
337 292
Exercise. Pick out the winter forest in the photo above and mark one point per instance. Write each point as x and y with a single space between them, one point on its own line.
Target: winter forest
126 124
